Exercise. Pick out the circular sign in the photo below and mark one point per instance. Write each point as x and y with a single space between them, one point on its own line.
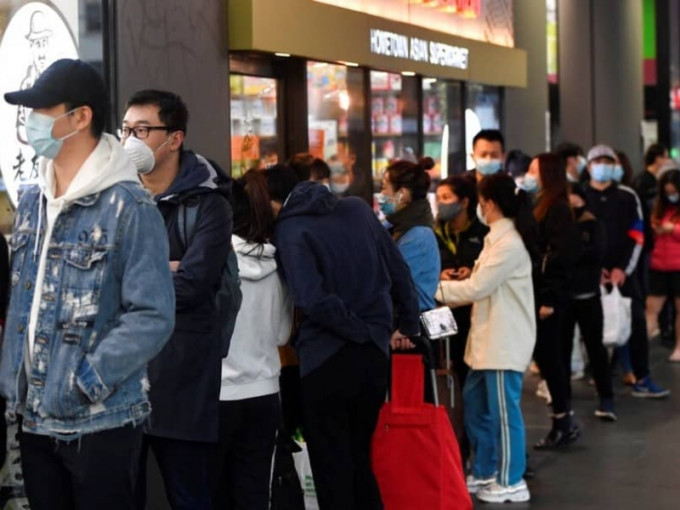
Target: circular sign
35 37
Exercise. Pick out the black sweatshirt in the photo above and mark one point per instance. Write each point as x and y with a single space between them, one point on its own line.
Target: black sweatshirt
620 211
559 249
588 268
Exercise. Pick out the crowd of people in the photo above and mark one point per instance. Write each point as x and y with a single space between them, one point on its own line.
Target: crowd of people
127 331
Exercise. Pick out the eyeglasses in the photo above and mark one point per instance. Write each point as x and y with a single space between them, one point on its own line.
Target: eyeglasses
140 132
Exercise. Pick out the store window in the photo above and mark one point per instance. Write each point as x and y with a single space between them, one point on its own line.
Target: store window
442 126
394 120
255 140
335 125
482 111
34 35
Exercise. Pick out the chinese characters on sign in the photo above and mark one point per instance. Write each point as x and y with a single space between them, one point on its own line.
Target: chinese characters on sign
35 37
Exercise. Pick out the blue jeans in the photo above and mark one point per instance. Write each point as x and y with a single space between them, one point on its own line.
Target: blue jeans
494 424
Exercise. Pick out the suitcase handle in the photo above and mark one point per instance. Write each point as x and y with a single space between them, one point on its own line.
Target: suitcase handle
423 344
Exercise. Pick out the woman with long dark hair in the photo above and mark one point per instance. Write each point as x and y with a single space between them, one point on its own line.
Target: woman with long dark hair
501 340
405 205
559 248
460 236
249 396
665 262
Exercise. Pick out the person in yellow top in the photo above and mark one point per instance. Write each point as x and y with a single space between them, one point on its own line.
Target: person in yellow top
501 340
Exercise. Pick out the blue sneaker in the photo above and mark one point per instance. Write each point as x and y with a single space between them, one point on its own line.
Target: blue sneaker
645 388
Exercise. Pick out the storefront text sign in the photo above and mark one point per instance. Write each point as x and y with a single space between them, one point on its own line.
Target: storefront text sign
390 44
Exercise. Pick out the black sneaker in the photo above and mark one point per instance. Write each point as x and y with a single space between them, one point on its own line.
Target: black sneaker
605 410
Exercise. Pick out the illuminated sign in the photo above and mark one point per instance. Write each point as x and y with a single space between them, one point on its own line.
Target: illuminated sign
390 44
36 36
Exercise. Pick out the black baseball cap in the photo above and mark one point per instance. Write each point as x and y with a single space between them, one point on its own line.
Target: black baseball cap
66 81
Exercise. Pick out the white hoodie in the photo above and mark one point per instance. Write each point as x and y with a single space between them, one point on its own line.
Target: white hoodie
263 323
108 164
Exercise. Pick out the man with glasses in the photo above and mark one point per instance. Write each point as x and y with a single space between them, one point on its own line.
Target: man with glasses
185 377
91 300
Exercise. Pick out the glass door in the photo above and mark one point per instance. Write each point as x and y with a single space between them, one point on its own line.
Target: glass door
255 137
394 120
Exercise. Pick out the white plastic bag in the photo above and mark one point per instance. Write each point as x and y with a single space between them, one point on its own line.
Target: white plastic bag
304 470
617 317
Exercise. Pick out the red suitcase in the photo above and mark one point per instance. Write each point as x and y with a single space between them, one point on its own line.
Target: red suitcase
415 454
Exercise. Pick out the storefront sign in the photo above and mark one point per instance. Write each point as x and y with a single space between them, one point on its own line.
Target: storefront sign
390 44
35 37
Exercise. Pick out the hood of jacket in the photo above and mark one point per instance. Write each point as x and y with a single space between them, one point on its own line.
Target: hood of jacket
108 164
197 175
308 199
255 261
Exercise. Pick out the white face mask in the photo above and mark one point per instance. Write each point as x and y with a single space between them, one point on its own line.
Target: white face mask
481 216
141 154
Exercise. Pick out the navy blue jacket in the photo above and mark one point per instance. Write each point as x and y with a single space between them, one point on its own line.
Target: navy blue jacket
345 274
185 377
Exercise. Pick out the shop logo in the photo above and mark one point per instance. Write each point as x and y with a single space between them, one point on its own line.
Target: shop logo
35 37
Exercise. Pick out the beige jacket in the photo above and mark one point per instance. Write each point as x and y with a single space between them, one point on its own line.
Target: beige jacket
503 331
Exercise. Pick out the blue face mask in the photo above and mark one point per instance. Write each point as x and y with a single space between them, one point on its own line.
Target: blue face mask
618 173
581 164
488 166
39 133
674 198
530 184
602 172
386 204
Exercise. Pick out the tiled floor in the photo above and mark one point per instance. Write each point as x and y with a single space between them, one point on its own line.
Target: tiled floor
631 464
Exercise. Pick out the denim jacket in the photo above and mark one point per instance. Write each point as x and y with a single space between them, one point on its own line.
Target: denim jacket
107 309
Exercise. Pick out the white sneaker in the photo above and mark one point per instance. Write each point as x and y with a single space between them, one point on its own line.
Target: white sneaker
495 493
543 391
474 485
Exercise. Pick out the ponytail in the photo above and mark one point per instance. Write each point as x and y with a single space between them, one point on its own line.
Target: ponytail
411 176
515 204
253 216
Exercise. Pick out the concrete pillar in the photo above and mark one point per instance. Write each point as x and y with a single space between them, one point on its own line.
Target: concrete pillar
600 74
525 109
179 46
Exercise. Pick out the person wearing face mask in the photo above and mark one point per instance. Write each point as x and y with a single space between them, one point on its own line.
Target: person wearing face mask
585 305
488 153
405 205
185 377
665 259
559 248
339 179
352 286
91 303
500 342
575 162
621 213
460 236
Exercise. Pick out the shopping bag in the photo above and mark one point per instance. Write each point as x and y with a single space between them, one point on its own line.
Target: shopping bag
414 453
617 317
304 470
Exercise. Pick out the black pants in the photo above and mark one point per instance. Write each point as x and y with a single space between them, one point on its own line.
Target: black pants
246 449
184 467
550 344
459 343
98 471
340 404
638 343
587 313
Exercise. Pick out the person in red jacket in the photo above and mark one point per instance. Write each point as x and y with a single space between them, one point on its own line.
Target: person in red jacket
665 263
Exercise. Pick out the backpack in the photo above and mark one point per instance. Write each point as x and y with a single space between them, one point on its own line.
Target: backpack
229 295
